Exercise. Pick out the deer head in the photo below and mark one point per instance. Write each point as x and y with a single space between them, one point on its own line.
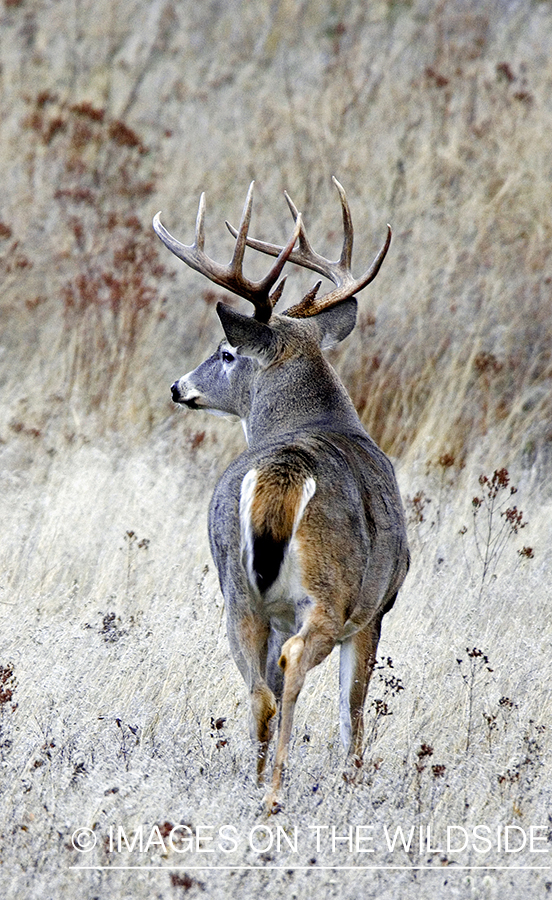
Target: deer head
225 382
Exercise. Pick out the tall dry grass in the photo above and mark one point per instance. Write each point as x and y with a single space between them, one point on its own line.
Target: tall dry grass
119 704
436 118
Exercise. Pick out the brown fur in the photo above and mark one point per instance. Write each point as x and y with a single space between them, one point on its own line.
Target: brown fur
277 497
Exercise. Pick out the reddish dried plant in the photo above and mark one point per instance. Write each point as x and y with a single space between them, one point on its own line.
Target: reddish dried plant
495 523
110 298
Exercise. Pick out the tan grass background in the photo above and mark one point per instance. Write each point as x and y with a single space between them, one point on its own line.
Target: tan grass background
436 117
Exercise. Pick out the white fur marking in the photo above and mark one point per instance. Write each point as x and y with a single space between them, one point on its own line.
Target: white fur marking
309 488
346 663
245 431
247 494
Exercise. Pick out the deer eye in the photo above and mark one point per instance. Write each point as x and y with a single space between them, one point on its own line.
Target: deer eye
227 356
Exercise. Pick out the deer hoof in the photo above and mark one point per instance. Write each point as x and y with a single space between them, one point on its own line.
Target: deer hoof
273 804
353 771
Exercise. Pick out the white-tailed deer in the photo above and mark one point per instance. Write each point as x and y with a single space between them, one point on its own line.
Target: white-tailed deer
306 527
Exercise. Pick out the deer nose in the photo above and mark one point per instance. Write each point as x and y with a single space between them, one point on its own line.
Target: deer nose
175 392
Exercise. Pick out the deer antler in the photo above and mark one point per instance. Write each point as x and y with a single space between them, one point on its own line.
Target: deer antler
339 271
231 276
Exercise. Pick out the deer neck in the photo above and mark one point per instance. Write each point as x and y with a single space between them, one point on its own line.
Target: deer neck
306 398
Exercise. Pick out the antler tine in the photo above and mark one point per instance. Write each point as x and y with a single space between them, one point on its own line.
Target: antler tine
347 249
241 238
199 242
231 276
306 255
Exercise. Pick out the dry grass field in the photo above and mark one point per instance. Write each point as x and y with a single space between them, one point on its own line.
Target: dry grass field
126 767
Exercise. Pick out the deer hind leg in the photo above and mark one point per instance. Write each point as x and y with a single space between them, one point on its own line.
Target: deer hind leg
263 711
299 654
249 638
357 659
265 697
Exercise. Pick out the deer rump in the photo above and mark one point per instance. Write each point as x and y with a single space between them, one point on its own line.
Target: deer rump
292 496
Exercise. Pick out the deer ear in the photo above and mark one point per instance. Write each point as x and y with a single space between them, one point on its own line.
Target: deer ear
249 336
336 323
